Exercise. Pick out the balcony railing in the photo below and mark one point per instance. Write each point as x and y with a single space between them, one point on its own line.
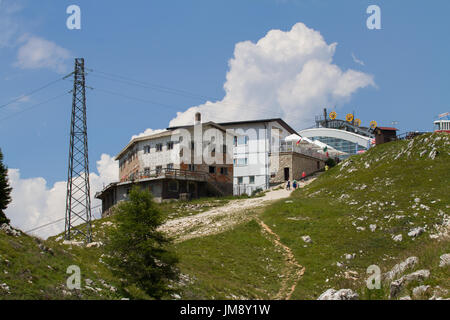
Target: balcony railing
293 147
165 173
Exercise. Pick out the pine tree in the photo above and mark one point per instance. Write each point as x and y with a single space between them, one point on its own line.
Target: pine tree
5 190
139 252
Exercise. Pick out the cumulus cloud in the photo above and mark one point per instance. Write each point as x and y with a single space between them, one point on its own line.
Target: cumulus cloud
286 74
147 132
37 53
35 204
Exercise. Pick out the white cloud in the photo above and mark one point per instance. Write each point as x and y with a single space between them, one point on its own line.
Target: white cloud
286 74
36 53
356 60
34 204
148 132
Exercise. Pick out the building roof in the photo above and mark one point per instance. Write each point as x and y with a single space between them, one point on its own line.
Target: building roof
279 120
387 128
168 132
143 138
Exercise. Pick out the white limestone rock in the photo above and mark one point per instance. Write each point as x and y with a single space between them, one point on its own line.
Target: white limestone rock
399 284
445 260
416 232
342 294
400 268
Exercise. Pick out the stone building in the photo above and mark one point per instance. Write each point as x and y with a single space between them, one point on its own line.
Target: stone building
179 163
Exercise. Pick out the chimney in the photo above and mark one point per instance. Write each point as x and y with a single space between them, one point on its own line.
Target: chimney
198 118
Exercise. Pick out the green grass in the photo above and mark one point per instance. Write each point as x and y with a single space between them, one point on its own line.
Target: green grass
379 188
237 263
331 208
32 273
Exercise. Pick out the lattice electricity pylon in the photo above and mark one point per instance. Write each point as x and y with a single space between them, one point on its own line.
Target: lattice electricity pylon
78 200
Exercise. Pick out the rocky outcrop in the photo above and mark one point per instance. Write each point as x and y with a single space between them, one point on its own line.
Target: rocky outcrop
397 285
342 294
9 230
400 268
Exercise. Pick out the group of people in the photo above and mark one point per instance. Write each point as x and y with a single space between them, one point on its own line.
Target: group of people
295 184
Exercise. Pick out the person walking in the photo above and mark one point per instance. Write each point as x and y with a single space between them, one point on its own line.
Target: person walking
303 175
288 185
294 184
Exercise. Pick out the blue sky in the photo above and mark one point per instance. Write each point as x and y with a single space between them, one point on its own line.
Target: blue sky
186 45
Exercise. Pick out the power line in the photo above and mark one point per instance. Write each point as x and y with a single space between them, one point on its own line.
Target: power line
34 106
169 90
31 92
150 101
53 222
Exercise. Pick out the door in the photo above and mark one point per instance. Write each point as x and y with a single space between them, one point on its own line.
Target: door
286 174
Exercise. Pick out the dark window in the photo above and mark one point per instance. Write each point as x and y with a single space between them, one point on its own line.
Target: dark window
173 186
251 179
146 149
170 145
224 171
191 167
170 166
159 147
158 169
146 171
240 180
212 169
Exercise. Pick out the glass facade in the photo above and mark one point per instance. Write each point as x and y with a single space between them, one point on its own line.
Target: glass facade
341 145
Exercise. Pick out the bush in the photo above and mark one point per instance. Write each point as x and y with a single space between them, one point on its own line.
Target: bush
137 250
330 162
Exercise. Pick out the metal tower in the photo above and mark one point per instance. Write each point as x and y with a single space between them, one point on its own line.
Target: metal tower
78 200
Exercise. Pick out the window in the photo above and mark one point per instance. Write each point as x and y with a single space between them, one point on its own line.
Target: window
192 145
158 169
212 169
173 186
170 166
170 145
242 140
146 171
224 148
224 171
146 149
241 161
191 167
240 180
159 147
235 139
251 179
181 152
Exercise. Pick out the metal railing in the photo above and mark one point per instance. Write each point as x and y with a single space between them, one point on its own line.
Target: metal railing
165 173
293 147
409 135
241 189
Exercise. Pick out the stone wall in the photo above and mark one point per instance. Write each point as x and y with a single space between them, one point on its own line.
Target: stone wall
297 163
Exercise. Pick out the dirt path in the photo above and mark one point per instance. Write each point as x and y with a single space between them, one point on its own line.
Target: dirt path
294 271
220 219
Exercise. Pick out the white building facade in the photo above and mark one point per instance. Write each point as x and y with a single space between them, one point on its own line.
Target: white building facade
255 150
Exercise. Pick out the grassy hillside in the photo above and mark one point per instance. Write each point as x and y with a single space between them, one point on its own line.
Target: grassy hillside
358 207
355 215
